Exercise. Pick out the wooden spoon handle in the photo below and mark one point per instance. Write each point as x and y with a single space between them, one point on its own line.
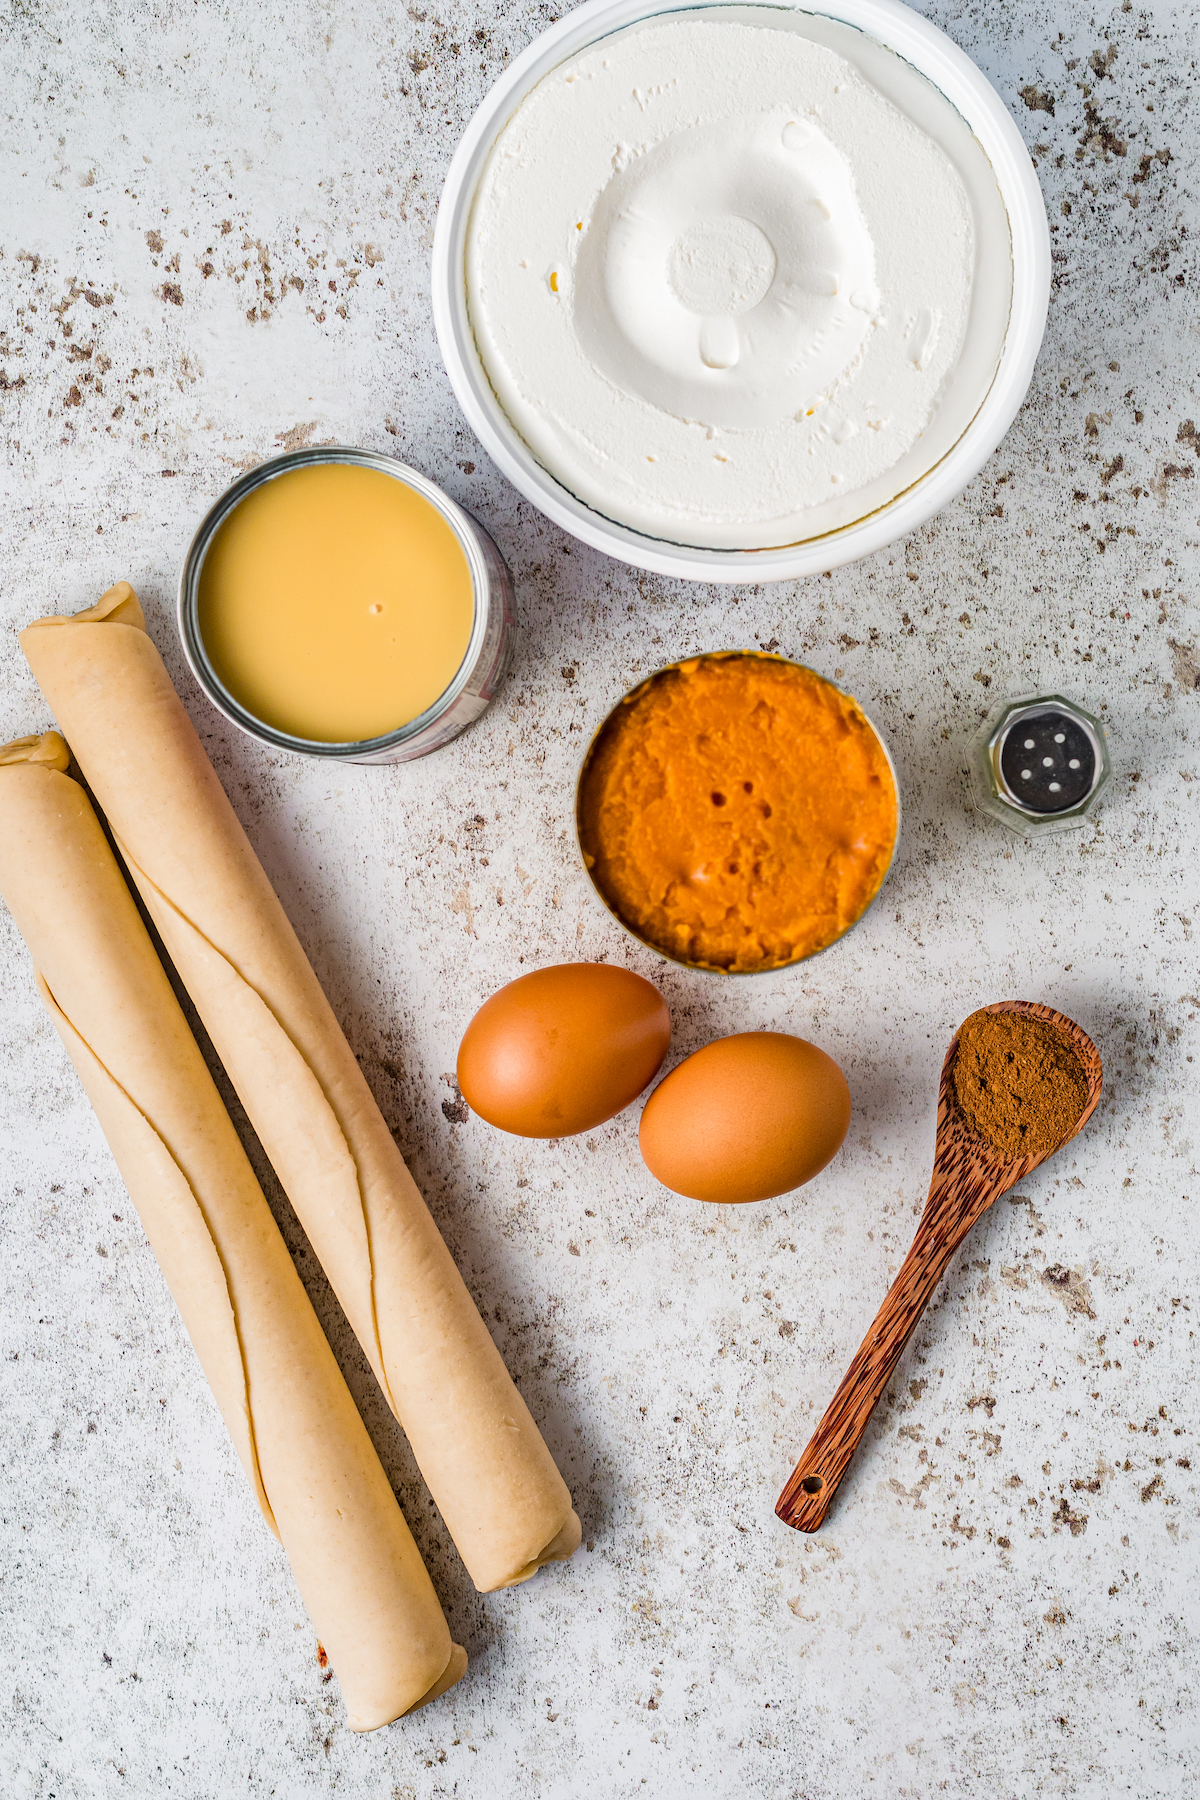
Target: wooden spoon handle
814 1481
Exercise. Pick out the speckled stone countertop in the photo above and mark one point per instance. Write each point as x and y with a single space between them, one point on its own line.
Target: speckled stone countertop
215 226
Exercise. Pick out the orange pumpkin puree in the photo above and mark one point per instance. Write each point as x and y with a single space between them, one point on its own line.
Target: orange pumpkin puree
737 812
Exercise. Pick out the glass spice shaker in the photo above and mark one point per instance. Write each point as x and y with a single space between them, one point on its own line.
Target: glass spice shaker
1039 764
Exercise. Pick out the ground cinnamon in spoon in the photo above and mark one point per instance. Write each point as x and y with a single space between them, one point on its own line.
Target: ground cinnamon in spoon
1018 1082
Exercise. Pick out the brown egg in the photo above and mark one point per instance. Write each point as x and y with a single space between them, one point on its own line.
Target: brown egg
746 1118
561 1050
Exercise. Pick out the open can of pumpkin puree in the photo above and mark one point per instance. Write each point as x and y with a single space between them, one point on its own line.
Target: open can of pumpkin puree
736 812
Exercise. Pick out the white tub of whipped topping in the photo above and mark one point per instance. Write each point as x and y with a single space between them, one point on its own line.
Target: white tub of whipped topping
778 303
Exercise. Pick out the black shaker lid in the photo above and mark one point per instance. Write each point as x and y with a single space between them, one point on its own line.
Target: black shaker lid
1048 762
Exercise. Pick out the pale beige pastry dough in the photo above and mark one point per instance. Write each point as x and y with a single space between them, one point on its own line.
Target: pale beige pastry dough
305 1449
502 1498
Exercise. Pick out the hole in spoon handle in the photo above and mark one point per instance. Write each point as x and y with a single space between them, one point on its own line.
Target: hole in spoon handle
806 1498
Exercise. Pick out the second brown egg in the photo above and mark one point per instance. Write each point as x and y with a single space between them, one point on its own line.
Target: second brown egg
746 1118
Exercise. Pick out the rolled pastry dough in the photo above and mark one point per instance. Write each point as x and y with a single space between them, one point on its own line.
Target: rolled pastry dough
504 1502
305 1449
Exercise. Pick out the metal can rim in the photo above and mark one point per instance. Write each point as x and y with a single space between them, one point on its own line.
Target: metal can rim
201 666
708 968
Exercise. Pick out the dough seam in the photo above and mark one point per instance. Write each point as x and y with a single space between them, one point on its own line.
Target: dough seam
72 1035
147 886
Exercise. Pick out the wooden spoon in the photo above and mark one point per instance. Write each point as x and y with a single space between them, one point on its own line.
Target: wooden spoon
968 1174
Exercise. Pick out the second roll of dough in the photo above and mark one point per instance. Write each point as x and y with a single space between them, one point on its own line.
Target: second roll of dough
503 1500
305 1450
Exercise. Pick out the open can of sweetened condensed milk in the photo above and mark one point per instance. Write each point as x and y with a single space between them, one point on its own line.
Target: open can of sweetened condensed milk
737 813
337 604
